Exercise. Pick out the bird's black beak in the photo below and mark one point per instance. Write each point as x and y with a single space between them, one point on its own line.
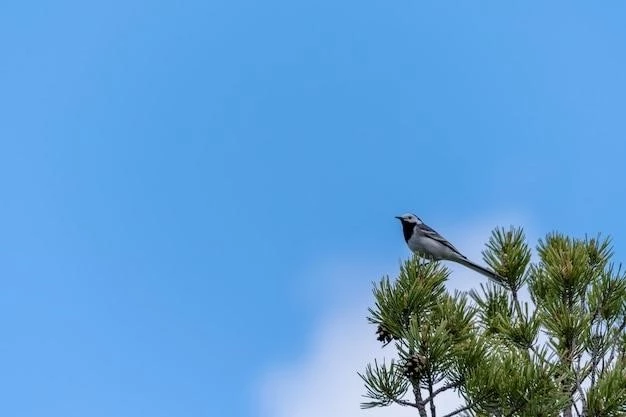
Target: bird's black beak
398 217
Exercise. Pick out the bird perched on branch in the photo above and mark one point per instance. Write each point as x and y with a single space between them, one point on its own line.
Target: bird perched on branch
427 243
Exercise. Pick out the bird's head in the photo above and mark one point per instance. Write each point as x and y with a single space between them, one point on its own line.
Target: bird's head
409 219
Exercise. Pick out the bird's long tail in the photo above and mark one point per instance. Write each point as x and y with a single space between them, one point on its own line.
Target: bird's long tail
480 269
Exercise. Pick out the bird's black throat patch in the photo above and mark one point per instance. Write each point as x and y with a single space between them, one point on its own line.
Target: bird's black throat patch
407 229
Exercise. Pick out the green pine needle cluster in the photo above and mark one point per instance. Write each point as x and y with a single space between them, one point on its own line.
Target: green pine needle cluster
563 353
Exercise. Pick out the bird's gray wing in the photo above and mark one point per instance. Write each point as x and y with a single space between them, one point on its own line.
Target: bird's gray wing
432 233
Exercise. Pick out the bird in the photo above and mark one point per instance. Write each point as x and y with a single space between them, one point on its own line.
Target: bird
427 243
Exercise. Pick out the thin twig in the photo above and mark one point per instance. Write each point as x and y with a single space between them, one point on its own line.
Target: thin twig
459 410
576 368
576 409
433 412
518 307
406 403
615 338
439 391
537 355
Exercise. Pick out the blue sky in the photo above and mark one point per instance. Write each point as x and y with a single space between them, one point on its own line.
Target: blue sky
172 172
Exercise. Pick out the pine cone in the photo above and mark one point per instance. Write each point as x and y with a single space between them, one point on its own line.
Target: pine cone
413 365
383 335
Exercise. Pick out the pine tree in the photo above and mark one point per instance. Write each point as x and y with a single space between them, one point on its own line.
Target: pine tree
563 353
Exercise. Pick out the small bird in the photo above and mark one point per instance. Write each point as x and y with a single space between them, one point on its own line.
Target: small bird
427 243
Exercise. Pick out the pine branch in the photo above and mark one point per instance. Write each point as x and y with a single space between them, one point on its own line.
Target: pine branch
588 368
421 407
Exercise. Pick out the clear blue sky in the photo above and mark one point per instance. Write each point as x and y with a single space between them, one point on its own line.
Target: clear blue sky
169 171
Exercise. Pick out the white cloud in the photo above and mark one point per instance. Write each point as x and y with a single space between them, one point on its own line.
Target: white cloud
324 382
